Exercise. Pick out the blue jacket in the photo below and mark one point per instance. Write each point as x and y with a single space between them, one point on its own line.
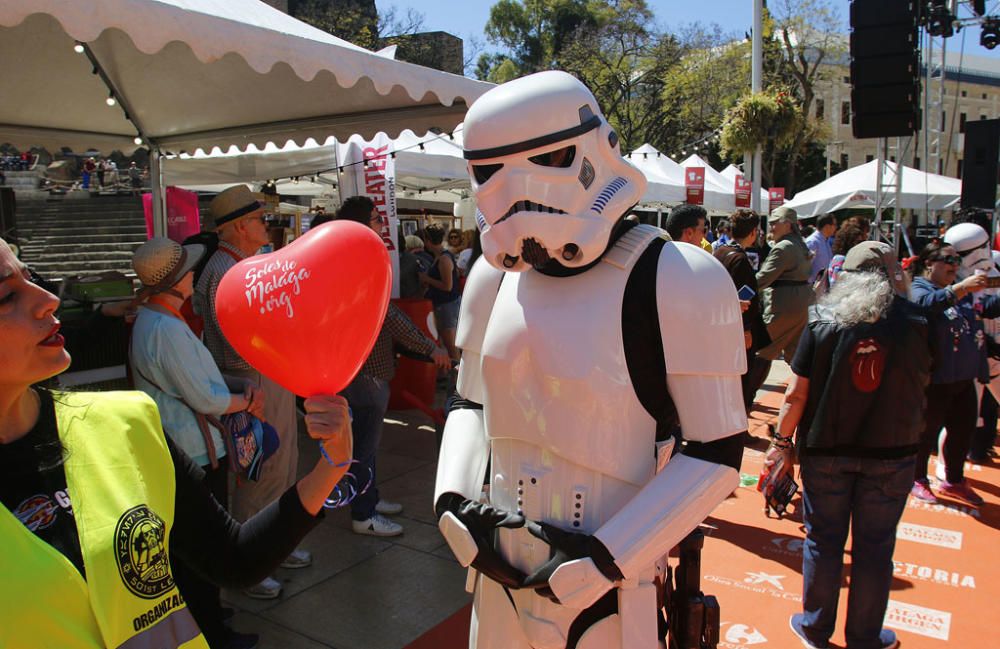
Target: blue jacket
956 331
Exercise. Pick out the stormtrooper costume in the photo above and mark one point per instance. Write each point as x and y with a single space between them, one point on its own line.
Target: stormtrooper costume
584 343
972 243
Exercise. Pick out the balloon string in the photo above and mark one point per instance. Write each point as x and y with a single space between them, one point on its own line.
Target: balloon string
339 498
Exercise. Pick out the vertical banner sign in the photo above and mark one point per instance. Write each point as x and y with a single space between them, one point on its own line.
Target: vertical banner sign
743 189
775 198
694 182
183 218
370 170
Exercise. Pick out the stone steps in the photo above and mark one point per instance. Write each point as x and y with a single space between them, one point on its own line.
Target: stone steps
80 236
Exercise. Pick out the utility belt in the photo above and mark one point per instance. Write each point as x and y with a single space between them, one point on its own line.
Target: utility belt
778 283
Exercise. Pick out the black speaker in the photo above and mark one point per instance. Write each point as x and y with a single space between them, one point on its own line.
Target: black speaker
979 163
885 68
8 222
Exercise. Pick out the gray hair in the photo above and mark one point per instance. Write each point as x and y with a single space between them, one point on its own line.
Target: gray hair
859 297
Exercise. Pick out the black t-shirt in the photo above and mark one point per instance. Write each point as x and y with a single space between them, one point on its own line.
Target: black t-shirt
204 536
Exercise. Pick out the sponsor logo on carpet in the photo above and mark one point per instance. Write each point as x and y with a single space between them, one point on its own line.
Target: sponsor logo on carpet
929 536
934 575
738 636
943 508
917 619
758 582
786 546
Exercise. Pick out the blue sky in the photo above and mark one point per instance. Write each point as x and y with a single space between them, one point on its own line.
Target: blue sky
466 18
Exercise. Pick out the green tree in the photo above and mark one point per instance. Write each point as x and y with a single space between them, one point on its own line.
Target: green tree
623 58
535 32
711 74
808 35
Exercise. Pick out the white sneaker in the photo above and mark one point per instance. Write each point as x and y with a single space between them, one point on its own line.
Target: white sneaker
388 508
377 525
939 471
297 559
267 589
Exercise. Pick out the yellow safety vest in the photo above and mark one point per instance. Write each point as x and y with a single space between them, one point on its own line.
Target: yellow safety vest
120 479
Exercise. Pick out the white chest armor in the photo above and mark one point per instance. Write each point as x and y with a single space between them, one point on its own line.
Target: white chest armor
559 404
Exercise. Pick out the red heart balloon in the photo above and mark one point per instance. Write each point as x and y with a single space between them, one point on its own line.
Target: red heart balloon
307 315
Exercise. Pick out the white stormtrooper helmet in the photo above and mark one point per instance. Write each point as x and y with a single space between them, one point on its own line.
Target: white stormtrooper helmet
973 245
546 169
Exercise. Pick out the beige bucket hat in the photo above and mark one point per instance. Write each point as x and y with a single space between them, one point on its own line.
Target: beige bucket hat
233 203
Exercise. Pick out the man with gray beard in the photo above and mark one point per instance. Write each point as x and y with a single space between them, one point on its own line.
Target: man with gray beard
854 412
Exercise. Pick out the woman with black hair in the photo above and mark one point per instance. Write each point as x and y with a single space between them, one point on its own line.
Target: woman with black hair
958 346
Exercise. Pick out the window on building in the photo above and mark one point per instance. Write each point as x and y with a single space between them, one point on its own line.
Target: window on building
940 166
965 94
844 161
847 79
944 119
982 117
961 122
959 173
845 112
869 158
820 107
916 163
984 95
892 158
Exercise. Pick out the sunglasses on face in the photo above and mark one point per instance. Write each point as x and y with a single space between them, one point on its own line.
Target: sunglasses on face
954 260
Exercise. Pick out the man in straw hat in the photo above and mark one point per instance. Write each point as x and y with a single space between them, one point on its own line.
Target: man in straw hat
238 218
172 366
856 398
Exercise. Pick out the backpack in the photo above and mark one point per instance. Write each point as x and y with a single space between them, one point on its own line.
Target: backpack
211 242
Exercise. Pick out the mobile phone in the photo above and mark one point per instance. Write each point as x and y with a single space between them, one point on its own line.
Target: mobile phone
747 293
778 494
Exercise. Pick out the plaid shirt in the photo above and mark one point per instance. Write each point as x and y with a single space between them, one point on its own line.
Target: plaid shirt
397 328
204 305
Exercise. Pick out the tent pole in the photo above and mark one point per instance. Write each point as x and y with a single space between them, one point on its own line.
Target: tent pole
757 85
159 197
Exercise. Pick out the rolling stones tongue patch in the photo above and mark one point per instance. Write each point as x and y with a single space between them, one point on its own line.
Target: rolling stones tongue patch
867 363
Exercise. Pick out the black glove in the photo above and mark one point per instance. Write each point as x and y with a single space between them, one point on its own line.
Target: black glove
568 546
482 521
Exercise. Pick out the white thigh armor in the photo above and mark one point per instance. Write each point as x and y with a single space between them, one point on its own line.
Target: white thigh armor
569 441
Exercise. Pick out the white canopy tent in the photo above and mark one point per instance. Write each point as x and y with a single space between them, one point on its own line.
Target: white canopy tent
183 75
855 188
660 170
731 172
428 163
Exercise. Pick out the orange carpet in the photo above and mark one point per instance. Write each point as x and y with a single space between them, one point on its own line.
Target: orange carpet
944 592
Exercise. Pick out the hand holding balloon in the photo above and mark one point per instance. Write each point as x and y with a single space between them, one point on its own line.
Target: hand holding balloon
307 315
328 421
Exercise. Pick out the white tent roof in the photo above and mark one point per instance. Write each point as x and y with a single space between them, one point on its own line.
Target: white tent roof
430 162
203 73
726 182
855 188
659 168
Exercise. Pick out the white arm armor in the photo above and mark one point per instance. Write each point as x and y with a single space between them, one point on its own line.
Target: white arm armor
465 448
702 330
672 504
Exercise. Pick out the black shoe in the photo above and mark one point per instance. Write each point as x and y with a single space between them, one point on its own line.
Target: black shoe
242 640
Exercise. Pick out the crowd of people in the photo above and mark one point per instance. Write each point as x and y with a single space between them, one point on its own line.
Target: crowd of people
905 349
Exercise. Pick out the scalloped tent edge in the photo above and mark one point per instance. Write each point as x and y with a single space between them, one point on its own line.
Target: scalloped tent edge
189 75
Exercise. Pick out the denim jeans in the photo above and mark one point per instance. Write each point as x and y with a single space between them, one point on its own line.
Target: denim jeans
868 496
368 398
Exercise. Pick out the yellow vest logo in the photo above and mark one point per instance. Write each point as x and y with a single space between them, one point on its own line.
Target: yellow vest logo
141 553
